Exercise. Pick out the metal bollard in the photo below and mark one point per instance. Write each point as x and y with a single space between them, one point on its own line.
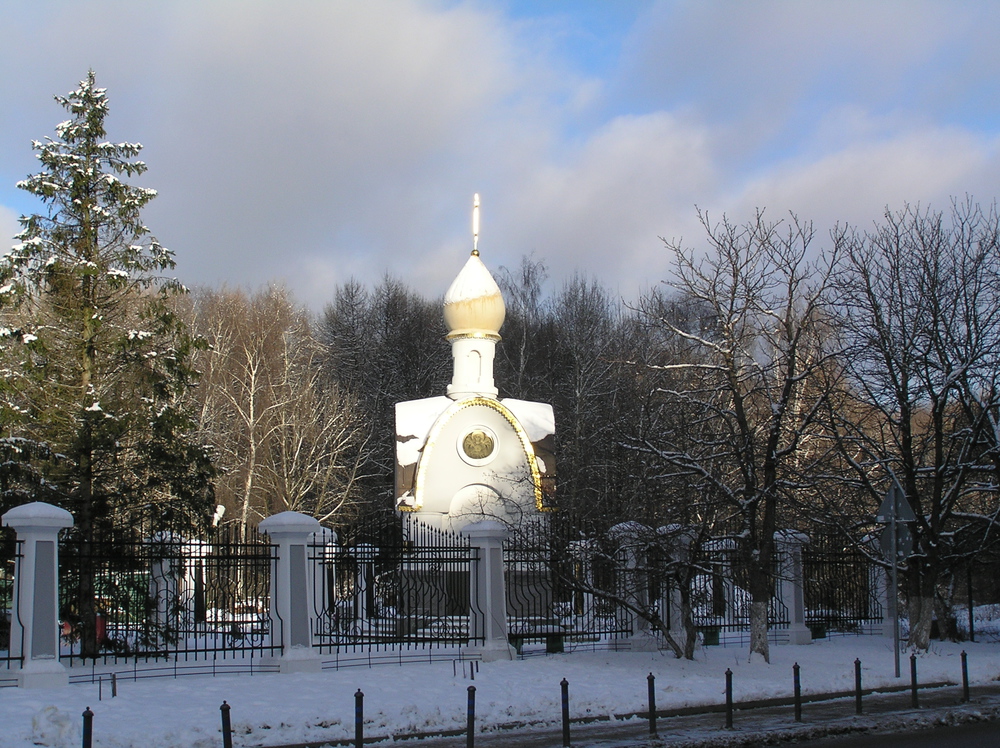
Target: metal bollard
227 728
114 685
88 728
651 688
564 684
729 698
470 722
913 682
857 686
359 719
965 676
797 689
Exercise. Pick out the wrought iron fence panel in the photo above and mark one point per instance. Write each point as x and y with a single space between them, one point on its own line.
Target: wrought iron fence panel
132 594
10 552
564 589
720 598
841 592
408 588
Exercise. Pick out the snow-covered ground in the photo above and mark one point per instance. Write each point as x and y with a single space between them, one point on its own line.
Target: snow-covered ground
273 709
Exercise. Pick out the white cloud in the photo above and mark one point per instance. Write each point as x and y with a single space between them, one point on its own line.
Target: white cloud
857 183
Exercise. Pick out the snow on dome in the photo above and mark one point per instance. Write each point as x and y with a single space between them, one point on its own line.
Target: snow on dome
473 303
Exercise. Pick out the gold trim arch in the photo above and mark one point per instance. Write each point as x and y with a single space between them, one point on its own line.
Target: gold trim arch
529 451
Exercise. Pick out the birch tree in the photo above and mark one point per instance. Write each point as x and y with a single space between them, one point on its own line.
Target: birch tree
285 437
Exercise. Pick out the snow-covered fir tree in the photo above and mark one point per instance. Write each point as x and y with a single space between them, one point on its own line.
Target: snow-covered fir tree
96 363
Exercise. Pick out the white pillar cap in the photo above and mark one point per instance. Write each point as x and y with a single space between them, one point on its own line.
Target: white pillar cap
37 514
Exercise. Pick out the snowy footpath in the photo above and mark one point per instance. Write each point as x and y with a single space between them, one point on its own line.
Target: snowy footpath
272 709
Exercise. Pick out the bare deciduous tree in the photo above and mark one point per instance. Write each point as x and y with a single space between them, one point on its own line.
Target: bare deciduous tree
921 314
284 437
753 394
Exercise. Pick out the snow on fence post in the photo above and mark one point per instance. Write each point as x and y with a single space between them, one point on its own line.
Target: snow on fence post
791 584
292 612
487 594
34 621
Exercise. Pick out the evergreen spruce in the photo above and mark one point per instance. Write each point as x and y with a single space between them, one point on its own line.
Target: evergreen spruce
97 364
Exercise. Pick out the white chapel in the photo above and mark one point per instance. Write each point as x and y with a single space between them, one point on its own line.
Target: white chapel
469 455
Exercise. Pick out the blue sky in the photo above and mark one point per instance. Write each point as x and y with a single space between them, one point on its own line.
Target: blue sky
308 142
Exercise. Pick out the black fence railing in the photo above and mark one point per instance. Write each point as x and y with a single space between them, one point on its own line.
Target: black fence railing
841 588
720 598
390 583
135 594
568 587
395 583
564 591
9 554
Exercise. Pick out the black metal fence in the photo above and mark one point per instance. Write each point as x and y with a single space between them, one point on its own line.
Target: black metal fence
133 594
566 590
842 591
720 598
393 582
390 582
9 554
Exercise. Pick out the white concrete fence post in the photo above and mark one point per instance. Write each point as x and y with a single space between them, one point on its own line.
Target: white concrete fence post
292 612
791 584
633 540
34 621
487 594
670 602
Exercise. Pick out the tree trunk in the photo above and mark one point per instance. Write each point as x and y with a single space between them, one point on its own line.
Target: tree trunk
687 619
758 629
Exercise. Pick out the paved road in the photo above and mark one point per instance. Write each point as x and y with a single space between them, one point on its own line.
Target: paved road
889 721
974 735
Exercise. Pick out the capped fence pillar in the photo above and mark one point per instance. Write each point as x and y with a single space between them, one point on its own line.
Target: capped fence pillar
34 620
633 581
292 612
791 584
487 594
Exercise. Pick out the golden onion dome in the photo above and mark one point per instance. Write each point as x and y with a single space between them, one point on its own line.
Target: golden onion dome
473 304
